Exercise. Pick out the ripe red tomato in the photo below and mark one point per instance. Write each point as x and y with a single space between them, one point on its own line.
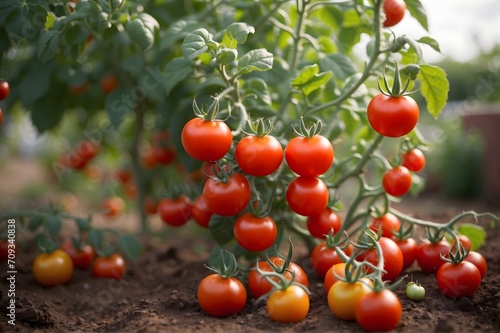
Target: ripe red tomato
255 233
123 176
259 155
79 89
52 269
414 160
206 140
309 157
394 12
87 149
429 255
4 250
73 160
392 116
82 257
258 285
229 198
148 159
201 213
388 223
108 83
457 280
112 267
113 206
175 212
4 90
393 258
409 248
163 155
378 312
221 297
324 257
397 181
478 260
290 305
307 196
320 225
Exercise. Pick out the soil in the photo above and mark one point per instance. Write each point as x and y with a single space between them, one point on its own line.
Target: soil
158 292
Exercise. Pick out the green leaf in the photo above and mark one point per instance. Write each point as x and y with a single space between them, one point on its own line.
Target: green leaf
95 238
118 107
196 43
53 225
139 33
434 88
221 228
48 45
476 234
88 8
258 87
35 83
177 31
177 70
255 60
226 56
418 12
309 79
82 224
35 223
130 246
431 42
237 33
341 66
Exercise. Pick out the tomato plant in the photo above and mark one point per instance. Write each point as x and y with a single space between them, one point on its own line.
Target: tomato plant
255 233
378 311
394 11
112 267
53 269
397 181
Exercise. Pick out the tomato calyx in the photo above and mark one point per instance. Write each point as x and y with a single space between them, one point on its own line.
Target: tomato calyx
260 126
222 172
209 114
457 254
403 233
227 266
396 90
308 130
434 235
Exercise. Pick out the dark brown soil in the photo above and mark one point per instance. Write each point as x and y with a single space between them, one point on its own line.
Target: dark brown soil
158 293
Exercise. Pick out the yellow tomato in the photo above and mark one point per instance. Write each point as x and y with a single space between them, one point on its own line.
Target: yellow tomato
343 297
53 269
289 305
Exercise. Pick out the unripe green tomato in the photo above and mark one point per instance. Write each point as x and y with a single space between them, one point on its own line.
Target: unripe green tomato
415 291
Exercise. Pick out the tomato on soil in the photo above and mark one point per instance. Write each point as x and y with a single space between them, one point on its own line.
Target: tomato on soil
112 267
457 280
378 312
343 297
289 305
53 269
4 249
478 260
221 297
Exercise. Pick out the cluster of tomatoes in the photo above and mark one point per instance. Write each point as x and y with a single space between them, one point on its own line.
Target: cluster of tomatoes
80 157
56 267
